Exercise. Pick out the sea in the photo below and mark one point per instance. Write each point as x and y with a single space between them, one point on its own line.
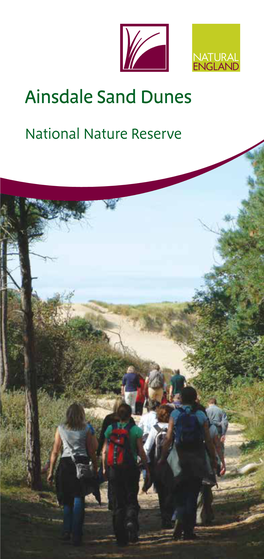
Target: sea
135 290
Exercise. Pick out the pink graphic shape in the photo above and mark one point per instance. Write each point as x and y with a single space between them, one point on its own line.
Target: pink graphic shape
152 58
47 192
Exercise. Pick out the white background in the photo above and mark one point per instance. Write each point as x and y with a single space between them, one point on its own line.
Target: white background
54 45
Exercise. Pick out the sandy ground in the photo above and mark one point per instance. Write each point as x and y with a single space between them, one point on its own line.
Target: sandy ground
233 535
215 542
33 528
32 523
147 345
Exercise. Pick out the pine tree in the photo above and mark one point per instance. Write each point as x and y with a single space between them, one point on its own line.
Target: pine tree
27 221
229 337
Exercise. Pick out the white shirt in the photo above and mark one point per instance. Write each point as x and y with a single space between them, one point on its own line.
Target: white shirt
147 421
151 438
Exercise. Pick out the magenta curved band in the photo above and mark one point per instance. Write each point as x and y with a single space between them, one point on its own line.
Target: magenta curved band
46 192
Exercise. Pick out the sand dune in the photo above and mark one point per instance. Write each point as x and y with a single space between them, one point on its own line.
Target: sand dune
147 345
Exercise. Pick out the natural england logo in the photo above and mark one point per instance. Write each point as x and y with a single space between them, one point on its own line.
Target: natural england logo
144 47
216 47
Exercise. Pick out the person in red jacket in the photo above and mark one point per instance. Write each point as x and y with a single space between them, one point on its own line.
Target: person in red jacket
140 396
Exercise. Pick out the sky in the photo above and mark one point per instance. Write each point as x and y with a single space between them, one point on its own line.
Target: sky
151 248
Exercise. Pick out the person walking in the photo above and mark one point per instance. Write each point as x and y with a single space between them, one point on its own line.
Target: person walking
130 385
94 443
155 384
140 396
108 420
146 423
177 401
165 400
123 443
153 449
188 428
218 418
149 419
75 439
177 383
205 514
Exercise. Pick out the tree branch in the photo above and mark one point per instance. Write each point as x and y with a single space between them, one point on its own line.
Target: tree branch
43 257
209 228
13 280
124 348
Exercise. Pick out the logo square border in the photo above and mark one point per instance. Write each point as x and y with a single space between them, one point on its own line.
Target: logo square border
122 25
217 24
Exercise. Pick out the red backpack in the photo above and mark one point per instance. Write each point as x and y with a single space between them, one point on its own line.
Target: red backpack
119 450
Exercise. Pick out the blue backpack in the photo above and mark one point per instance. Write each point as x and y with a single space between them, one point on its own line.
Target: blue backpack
188 433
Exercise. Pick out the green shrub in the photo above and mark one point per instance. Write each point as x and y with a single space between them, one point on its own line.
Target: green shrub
13 409
13 468
52 412
154 317
72 356
12 440
82 329
100 368
100 303
244 403
98 321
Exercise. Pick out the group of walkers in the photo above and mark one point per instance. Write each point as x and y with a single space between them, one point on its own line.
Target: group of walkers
178 445
136 390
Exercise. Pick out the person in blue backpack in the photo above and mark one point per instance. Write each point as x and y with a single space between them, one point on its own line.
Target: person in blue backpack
189 429
123 443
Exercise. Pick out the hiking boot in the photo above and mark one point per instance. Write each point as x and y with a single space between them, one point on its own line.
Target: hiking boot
166 524
177 531
190 536
77 542
132 532
121 543
65 536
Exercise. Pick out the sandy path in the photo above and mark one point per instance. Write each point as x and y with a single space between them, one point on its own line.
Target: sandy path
147 345
154 542
32 523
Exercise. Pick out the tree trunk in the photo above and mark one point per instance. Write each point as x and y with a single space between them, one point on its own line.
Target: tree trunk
1 348
32 419
4 316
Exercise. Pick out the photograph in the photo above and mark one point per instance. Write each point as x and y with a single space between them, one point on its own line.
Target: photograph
132 371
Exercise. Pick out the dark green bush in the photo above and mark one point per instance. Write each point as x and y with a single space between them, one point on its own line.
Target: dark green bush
83 330
100 368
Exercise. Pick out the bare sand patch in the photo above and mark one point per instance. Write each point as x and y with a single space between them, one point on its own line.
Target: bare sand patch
147 345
